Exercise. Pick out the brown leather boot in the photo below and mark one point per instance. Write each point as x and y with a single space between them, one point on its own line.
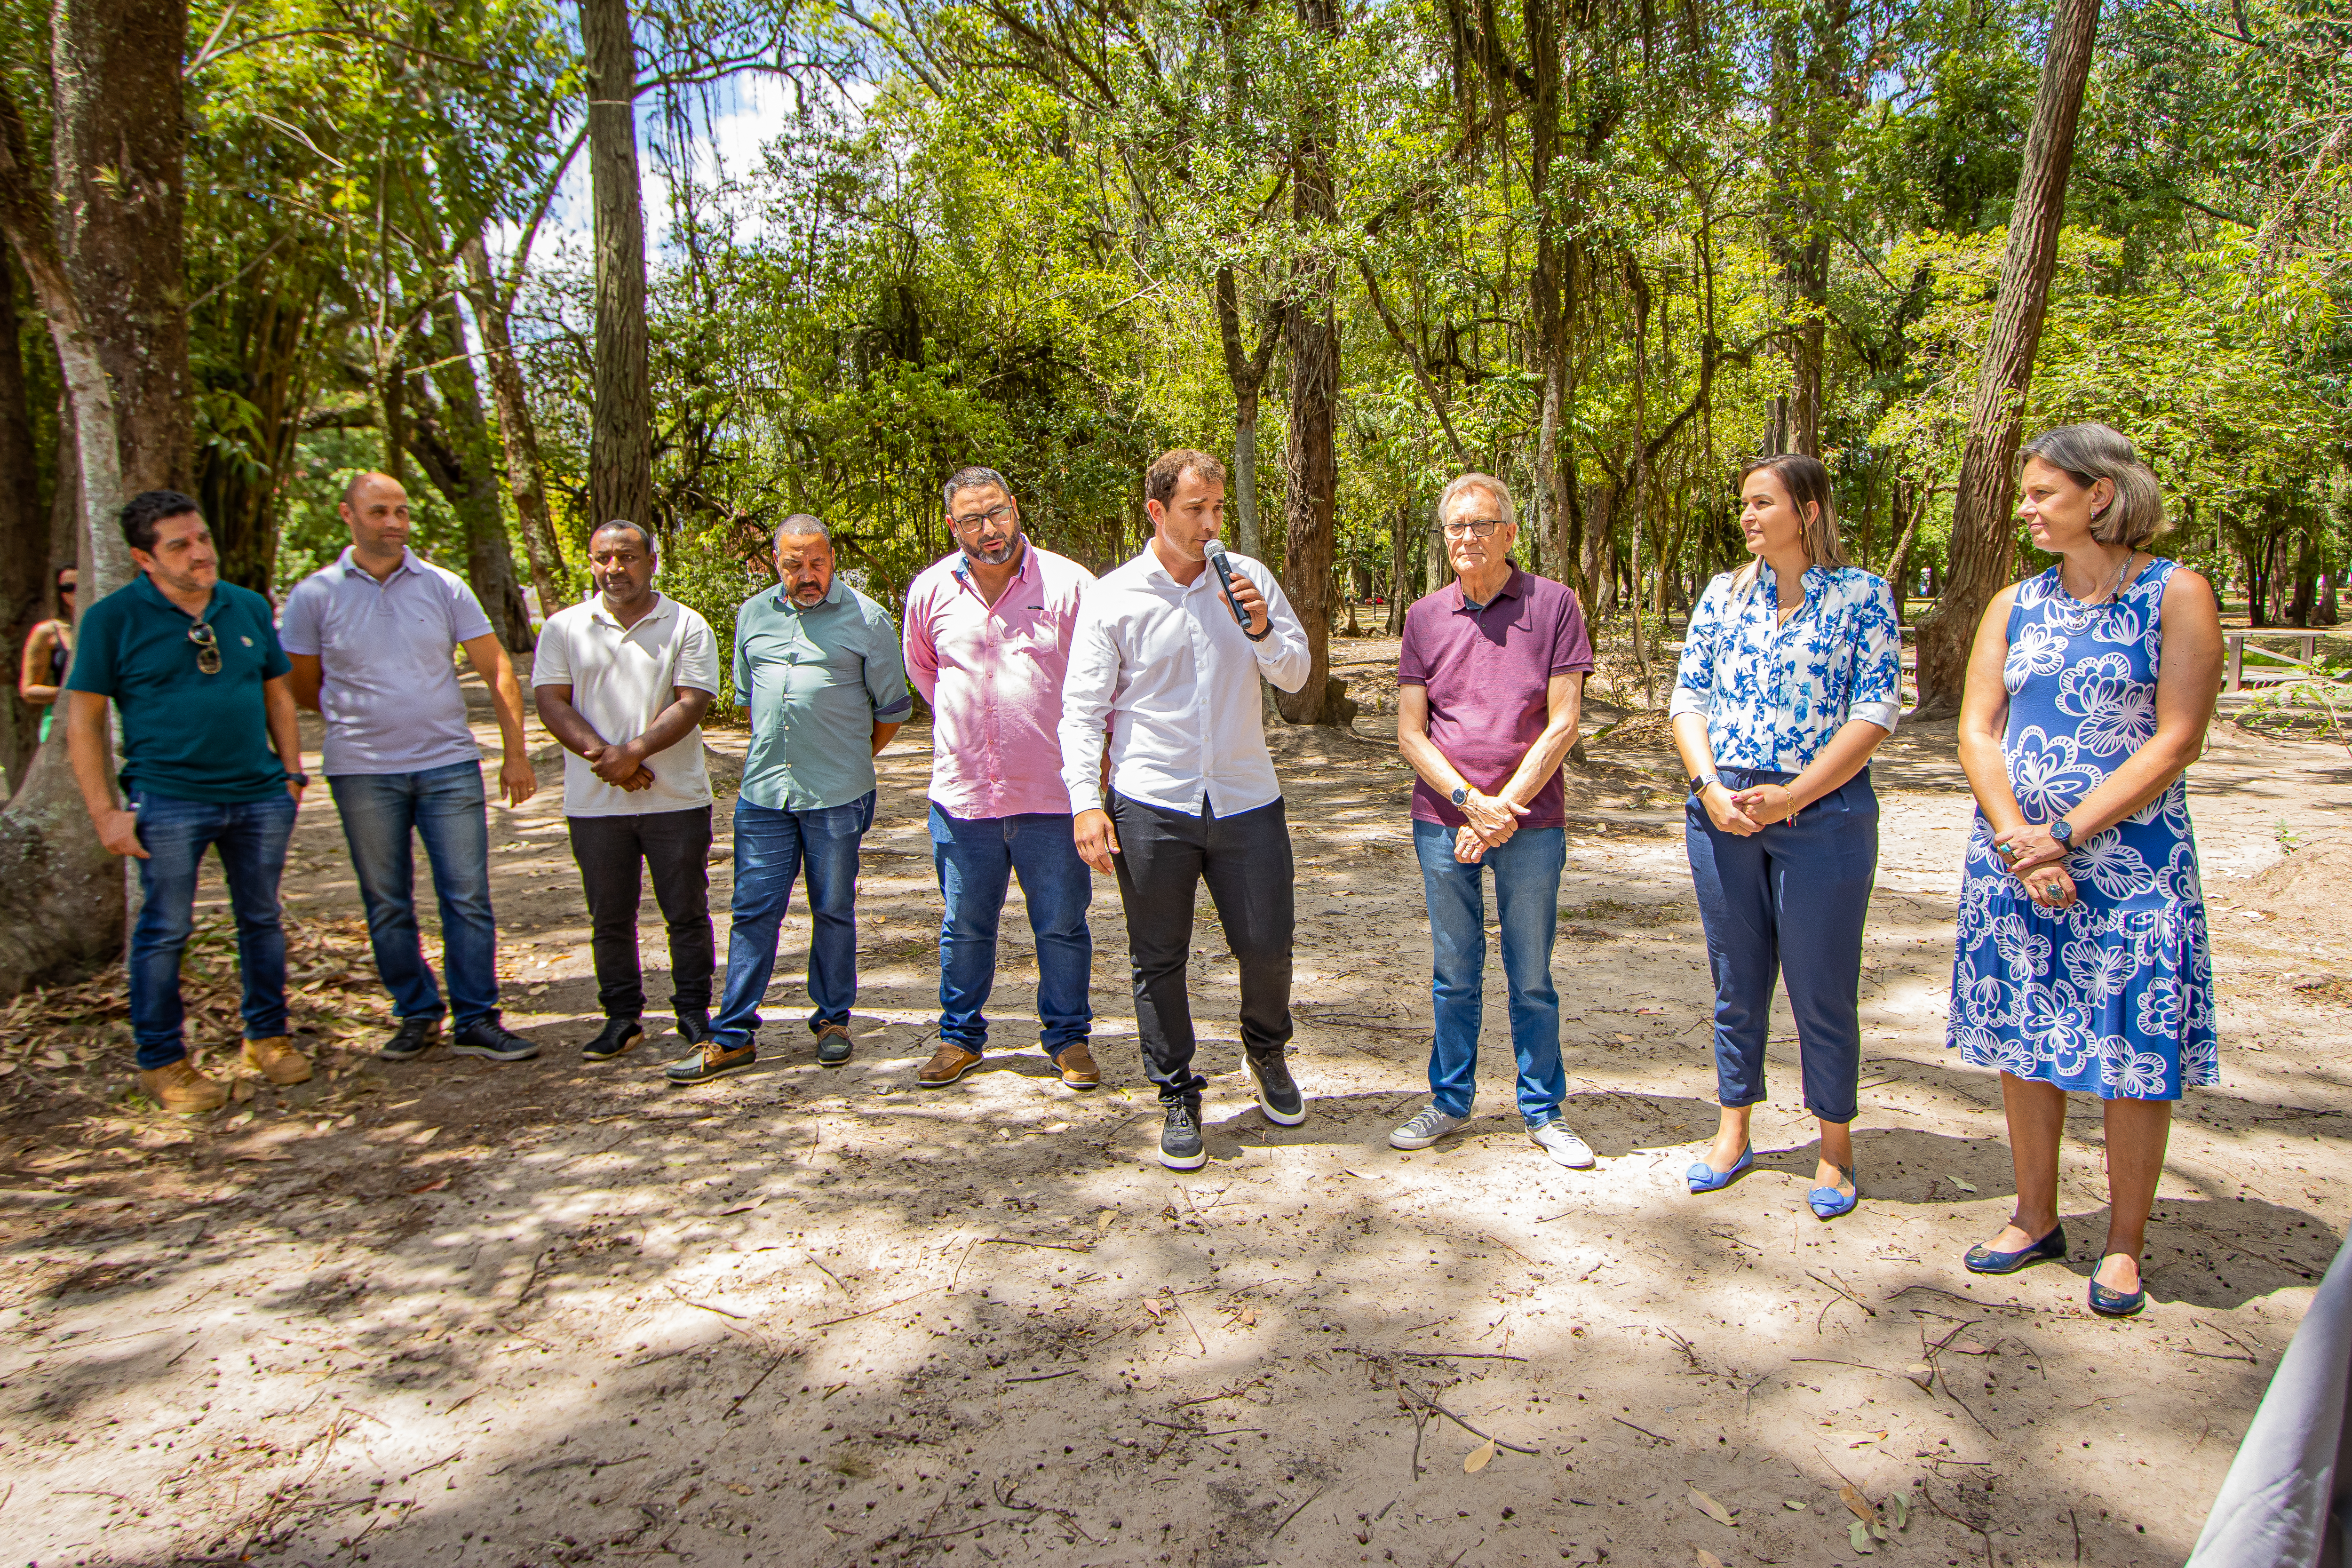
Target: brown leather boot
276 1059
1077 1065
180 1089
949 1063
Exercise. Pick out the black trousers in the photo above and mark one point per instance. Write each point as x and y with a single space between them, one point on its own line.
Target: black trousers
1245 860
675 846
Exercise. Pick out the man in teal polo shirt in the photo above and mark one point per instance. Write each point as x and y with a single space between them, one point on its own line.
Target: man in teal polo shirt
211 757
820 666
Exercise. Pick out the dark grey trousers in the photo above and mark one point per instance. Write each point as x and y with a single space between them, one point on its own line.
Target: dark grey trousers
675 846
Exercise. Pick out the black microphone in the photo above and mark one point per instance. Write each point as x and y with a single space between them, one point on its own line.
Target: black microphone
1217 550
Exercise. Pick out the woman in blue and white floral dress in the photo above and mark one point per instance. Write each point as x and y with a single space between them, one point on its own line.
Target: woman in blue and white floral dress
1792 674
2082 961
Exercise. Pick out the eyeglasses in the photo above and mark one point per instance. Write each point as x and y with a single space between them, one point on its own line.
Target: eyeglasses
1473 528
208 658
981 519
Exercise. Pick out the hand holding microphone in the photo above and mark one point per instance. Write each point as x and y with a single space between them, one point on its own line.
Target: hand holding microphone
1241 594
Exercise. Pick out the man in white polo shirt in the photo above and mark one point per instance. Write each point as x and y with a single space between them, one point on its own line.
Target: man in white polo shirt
624 681
371 638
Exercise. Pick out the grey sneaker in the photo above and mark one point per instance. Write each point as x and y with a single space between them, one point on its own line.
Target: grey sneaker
1426 1128
1564 1146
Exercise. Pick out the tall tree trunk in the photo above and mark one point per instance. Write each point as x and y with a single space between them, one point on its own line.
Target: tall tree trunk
1983 545
620 442
1312 334
269 319
516 431
120 142
61 894
25 556
453 445
1246 371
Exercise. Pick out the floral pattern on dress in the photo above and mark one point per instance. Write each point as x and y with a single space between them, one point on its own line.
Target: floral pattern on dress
2114 995
1773 694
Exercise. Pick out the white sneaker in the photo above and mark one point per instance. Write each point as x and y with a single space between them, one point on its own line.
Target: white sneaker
1564 1146
1426 1128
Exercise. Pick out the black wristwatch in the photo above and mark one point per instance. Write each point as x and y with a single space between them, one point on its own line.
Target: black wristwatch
302 779
1259 636
2062 831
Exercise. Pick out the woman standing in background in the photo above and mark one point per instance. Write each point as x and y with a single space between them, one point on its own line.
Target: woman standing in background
48 653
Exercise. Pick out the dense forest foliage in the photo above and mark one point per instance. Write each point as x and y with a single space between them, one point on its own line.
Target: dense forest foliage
1602 247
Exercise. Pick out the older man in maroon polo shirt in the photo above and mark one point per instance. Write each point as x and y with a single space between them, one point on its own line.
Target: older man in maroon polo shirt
1488 685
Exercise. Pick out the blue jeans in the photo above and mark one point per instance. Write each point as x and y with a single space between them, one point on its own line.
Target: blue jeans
1527 897
772 848
1789 900
445 807
251 838
976 858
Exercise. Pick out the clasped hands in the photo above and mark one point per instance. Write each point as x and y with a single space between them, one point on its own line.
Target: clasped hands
1743 813
2038 860
622 766
1493 820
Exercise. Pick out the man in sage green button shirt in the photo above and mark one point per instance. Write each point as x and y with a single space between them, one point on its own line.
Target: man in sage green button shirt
819 664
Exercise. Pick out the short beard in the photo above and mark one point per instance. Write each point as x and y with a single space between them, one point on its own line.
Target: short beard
998 557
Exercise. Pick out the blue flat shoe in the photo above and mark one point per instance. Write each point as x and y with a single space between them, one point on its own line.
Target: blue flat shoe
1704 1178
1982 1260
2108 1302
1828 1203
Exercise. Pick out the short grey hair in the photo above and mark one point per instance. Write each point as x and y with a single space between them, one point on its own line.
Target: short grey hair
1476 481
799 525
971 478
2089 453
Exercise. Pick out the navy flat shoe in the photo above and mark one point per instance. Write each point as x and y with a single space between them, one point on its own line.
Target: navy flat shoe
1982 1260
1828 1203
1704 1178
2112 1303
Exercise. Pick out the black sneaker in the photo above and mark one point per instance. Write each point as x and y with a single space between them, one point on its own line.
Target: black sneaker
412 1039
618 1036
491 1038
1180 1139
694 1024
711 1059
833 1045
1277 1093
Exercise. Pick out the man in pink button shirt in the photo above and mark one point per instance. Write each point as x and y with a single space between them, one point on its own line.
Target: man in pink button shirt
987 643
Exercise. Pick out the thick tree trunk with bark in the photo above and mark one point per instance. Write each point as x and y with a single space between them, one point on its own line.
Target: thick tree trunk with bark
452 443
1983 547
516 431
1311 333
621 442
61 894
1246 373
120 142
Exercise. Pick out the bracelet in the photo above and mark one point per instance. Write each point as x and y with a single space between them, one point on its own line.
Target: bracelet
1259 636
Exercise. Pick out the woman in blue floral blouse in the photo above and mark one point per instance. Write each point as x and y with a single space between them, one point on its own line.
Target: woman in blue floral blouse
1791 675
2081 961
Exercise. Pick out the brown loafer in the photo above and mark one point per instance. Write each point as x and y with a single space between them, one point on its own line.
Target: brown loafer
1077 1065
949 1063
278 1061
180 1089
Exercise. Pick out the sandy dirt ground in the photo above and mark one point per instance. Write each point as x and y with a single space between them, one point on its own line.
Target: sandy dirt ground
560 1313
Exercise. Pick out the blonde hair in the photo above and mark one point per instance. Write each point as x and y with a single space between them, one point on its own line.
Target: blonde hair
1808 484
2089 453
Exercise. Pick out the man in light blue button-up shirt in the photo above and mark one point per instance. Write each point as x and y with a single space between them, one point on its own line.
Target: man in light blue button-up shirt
819 664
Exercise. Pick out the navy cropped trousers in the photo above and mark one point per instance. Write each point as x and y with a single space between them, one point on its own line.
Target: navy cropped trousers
1789 900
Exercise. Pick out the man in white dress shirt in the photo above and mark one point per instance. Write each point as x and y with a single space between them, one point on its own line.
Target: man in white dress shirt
1161 662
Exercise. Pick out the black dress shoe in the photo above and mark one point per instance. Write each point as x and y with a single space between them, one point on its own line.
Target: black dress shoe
488 1038
1180 1139
412 1039
618 1036
1278 1092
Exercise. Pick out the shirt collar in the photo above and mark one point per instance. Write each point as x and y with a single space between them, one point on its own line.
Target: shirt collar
837 592
144 585
963 567
662 606
349 561
1512 588
1816 579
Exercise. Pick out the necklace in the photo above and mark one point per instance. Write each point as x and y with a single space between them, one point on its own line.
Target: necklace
2080 617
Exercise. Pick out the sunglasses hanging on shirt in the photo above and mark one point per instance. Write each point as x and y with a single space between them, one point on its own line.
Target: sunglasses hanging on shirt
208 659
